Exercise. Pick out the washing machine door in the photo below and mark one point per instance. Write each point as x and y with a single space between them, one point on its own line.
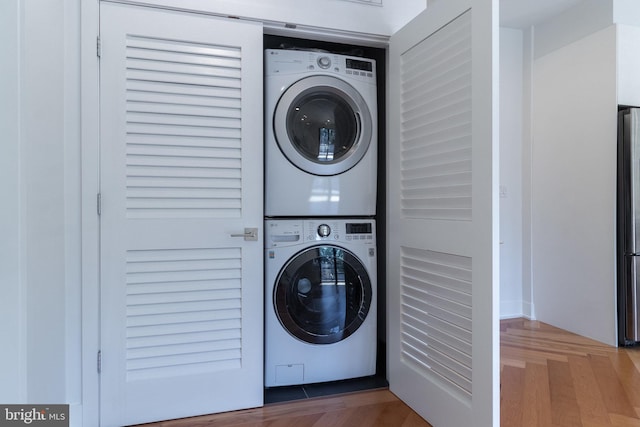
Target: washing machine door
323 125
322 295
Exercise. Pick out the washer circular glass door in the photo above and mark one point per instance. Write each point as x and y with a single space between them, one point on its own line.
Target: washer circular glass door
322 295
323 125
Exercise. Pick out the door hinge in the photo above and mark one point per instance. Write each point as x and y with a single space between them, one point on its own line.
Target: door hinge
99 361
99 203
98 47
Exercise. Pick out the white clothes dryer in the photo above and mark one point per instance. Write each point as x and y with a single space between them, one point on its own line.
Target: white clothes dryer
320 300
321 136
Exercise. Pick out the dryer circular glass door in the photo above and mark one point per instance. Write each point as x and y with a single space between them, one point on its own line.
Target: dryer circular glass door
323 125
322 295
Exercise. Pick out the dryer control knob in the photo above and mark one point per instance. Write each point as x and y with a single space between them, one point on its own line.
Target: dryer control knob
324 62
324 230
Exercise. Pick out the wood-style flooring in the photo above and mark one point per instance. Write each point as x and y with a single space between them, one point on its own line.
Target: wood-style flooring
549 378
552 378
361 409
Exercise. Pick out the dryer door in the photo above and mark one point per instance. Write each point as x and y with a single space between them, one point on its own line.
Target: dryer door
323 125
322 295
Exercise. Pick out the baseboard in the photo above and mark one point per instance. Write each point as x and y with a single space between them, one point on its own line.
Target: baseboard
528 311
510 309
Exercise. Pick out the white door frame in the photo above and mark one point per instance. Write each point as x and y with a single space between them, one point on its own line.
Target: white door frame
89 128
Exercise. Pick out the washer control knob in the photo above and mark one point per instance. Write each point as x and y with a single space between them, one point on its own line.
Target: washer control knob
324 230
324 62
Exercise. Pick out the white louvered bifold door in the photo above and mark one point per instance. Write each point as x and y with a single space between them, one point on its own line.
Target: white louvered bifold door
442 212
180 173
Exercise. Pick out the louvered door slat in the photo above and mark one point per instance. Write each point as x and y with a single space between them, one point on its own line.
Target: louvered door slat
179 66
185 78
179 119
171 106
181 46
162 150
221 320
174 92
162 129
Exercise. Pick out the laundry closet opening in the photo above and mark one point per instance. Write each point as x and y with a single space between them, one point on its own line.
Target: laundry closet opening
337 221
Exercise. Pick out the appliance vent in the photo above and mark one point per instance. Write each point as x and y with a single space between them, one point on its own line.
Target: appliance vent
436 317
183 133
183 312
436 162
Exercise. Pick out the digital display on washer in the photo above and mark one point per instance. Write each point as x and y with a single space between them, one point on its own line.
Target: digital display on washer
359 228
354 64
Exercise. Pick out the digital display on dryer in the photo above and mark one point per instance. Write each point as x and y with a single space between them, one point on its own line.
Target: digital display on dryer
354 64
359 228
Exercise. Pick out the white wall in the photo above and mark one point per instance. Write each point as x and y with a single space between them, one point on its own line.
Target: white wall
511 111
626 12
628 65
12 304
573 24
573 186
39 172
42 151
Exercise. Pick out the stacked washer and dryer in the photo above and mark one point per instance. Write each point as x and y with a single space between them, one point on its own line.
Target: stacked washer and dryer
320 204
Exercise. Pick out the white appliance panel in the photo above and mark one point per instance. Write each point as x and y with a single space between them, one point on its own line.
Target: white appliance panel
320 134
289 360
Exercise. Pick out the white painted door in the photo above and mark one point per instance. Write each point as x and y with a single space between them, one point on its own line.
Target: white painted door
443 214
181 174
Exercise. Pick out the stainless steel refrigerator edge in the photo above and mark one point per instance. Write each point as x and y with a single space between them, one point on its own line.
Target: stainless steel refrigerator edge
628 226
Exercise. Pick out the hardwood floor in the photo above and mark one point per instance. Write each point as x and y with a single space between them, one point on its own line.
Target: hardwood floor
549 378
368 408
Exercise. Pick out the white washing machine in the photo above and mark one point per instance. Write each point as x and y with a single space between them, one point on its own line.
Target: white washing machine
320 300
321 136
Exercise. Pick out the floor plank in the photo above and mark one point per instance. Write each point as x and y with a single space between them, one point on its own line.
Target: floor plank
593 411
537 411
512 396
613 392
564 403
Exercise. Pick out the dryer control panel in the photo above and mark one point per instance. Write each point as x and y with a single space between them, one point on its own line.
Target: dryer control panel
282 61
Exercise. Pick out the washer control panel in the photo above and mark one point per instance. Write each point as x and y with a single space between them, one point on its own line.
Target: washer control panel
339 230
291 232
